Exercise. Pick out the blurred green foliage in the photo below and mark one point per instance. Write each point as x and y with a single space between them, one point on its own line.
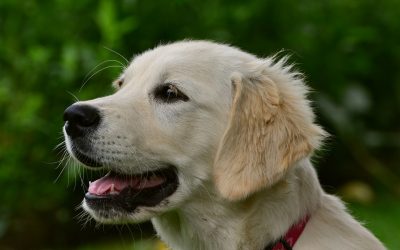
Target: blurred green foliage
349 51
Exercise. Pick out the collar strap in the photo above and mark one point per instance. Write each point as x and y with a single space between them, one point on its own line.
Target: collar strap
289 239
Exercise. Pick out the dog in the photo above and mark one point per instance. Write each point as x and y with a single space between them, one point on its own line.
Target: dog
213 145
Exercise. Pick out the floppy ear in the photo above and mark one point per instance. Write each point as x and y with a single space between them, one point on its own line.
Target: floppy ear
270 128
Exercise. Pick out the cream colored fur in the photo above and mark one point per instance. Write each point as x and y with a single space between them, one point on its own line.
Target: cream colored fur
241 144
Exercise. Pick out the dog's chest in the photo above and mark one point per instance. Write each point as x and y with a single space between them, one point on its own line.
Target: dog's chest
201 231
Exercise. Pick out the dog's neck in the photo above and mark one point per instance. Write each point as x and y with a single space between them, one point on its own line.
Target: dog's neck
210 222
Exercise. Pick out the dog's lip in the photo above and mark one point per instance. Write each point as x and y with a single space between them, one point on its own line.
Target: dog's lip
85 159
130 197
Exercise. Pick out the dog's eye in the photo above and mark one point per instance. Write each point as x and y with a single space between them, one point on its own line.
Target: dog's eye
169 93
117 84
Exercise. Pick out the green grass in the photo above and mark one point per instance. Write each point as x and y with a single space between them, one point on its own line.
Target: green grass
144 244
382 217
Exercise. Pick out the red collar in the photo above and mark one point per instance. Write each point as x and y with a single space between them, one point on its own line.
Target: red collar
292 235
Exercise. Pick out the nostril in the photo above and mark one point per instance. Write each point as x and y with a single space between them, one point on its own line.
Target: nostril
78 117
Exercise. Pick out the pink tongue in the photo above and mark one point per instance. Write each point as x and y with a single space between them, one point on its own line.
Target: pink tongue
115 184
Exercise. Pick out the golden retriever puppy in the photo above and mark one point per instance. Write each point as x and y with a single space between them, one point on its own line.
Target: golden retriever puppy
213 145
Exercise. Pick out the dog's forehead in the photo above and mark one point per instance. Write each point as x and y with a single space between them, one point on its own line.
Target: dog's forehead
185 62
180 57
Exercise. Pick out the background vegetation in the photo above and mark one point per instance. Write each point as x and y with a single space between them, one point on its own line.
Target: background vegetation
348 49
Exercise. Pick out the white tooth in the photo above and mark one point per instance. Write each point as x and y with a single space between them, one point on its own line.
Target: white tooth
112 188
90 182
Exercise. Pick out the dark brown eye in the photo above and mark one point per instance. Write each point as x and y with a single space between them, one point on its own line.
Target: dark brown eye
117 84
169 93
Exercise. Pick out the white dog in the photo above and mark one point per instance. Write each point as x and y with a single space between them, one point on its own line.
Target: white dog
213 145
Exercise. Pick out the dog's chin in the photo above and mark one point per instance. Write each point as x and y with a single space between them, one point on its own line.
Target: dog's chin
140 214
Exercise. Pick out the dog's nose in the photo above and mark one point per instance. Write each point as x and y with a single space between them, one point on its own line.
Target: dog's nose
80 118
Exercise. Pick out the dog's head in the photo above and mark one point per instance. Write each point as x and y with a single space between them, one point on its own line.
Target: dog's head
187 118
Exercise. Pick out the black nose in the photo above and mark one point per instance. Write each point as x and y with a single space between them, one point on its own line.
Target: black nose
80 118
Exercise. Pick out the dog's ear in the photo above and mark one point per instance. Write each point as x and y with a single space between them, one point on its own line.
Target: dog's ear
270 128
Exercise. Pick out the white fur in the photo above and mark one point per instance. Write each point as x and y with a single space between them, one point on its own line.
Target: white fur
137 133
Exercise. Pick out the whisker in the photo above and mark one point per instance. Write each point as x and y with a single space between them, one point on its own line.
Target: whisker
74 174
64 155
59 145
80 173
98 71
98 65
63 169
73 96
83 217
126 60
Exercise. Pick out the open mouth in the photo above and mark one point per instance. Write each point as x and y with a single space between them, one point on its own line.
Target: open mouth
127 192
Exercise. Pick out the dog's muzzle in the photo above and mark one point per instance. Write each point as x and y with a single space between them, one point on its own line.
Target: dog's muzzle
116 191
